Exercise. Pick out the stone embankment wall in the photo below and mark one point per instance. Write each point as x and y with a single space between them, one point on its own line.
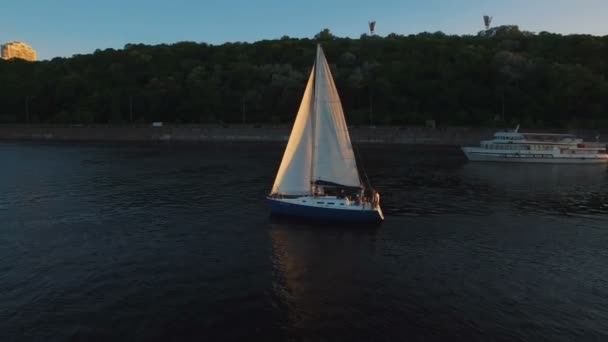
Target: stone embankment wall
252 133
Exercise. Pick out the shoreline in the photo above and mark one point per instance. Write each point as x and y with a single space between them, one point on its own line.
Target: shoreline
414 135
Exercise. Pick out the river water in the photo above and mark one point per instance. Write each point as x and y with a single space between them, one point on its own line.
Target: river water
175 242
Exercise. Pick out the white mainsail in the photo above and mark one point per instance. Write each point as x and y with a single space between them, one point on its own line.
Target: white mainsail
319 147
334 160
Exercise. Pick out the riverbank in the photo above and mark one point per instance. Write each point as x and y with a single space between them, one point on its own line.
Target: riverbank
250 133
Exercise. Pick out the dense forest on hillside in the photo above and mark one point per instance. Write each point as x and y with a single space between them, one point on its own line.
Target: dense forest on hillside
502 78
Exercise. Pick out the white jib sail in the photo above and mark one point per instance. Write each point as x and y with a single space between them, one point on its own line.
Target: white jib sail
334 160
294 173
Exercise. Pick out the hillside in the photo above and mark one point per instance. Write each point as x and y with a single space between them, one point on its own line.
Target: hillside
534 79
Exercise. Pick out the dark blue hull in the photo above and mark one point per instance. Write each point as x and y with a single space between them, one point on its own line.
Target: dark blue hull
326 214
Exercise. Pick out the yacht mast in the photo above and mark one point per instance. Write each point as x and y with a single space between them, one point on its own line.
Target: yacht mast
313 116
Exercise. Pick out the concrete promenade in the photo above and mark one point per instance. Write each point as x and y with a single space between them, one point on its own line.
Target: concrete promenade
456 136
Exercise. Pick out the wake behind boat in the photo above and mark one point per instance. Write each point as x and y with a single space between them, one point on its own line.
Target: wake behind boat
514 146
318 177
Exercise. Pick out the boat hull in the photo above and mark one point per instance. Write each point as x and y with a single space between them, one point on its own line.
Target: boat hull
282 207
474 154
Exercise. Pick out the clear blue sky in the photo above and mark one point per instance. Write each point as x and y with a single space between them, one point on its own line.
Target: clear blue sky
67 27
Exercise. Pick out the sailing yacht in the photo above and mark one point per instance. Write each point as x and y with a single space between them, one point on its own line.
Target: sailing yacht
318 176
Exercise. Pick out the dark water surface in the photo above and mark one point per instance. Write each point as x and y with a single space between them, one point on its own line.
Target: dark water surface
160 243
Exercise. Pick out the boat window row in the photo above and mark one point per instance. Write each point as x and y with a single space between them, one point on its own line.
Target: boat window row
501 137
541 147
505 147
587 152
518 147
525 155
330 203
551 138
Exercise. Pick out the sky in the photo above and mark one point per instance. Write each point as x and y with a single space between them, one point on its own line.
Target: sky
66 27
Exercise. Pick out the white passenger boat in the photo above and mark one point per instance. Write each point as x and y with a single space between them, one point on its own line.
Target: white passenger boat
514 146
